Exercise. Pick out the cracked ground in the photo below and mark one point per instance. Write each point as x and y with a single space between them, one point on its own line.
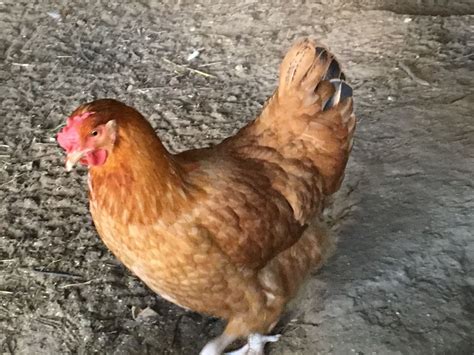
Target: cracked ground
402 278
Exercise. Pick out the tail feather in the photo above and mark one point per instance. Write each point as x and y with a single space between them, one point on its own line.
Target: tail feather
334 71
306 127
341 91
316 99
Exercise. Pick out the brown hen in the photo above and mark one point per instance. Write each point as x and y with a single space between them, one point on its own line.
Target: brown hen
231 230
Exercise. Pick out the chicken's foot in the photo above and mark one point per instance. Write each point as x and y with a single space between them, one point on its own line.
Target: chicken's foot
256 343
217 345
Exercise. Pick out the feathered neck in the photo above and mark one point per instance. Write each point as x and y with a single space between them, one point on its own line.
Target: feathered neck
140 182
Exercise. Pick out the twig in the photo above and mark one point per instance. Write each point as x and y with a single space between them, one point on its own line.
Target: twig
5 292
407 70
207 75
57 273
209 64
46 143
464 56
41 156
14 178
57 127
176 330
77 284
22 64
81 53
145 90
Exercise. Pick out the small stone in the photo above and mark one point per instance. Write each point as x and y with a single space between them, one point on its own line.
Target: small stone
146 314
174 81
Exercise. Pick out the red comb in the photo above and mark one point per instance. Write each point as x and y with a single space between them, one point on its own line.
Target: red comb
68 137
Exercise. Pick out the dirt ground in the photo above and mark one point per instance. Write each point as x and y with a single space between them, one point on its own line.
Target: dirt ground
402 279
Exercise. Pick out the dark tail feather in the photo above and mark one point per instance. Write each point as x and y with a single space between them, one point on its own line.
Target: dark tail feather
337 78
334 71
342 90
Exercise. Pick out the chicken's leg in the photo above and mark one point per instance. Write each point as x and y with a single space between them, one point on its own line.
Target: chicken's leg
256 343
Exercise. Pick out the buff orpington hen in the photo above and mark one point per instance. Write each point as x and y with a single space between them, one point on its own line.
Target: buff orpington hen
230 230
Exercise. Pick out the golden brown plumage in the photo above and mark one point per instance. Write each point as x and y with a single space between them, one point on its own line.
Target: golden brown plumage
231 230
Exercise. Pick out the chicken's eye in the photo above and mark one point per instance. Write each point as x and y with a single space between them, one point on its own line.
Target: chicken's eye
94 133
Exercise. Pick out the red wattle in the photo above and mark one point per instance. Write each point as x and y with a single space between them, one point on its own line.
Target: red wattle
96 157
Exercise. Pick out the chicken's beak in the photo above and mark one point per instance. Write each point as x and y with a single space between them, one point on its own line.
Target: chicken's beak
72 159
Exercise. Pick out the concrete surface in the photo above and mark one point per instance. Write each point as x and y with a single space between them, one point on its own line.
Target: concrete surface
402 279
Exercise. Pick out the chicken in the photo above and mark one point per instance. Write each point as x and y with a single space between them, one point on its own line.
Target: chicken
231 230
